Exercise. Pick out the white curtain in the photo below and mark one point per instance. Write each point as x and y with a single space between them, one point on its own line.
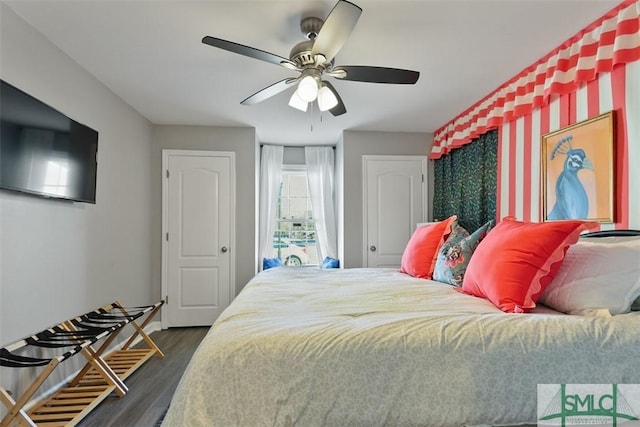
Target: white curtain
270 179
320 173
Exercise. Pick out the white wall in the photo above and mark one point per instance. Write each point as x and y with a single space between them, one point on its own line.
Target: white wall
355 144
242 141
60 259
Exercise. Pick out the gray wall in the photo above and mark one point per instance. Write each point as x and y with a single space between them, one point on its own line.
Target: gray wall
339 197
355 144
242 141
59 259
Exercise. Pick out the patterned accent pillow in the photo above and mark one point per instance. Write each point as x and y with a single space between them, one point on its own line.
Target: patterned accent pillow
458 233
455 254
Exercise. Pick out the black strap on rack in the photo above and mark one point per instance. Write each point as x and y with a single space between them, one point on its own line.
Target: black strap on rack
15 361
89 328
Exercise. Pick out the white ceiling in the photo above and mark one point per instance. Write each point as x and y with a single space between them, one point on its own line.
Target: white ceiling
150 54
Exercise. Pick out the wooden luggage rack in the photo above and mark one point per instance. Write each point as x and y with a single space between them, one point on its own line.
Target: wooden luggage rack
95 381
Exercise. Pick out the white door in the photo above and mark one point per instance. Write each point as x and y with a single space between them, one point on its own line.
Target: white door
198 226
394 201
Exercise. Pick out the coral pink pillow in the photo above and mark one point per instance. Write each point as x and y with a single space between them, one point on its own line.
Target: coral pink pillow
420 254
515 263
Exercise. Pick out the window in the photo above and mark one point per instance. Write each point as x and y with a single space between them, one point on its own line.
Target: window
294 240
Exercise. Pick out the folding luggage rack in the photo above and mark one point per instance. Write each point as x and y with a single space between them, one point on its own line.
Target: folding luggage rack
95 381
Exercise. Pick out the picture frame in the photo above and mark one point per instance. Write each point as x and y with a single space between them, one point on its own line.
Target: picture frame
578 174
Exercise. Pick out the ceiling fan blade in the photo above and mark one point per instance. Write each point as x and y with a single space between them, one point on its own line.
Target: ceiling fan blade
269 91
362 73
251 52
336 29
339 109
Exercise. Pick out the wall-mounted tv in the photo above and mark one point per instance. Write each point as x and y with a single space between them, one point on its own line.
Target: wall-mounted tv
44 152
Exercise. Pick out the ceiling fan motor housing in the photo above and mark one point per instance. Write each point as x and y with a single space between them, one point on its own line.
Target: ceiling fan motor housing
301 53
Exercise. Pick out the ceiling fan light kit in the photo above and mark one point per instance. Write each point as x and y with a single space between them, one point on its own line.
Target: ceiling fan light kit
326 99
308 88
314 58
298 103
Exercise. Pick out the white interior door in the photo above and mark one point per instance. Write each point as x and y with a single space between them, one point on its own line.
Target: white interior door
394 194
198 223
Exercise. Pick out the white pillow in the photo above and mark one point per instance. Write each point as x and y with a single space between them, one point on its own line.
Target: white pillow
598 273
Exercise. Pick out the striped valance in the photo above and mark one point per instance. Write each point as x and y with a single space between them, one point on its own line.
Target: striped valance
612 39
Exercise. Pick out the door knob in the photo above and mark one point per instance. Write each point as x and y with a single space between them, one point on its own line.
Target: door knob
223 249
372 248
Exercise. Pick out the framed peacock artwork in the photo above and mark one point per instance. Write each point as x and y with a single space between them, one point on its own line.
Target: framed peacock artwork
578 171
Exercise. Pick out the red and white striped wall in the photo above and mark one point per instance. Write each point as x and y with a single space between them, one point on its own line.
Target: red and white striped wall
519 150
595 71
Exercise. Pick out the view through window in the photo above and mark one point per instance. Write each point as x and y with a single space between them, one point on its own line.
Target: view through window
294 240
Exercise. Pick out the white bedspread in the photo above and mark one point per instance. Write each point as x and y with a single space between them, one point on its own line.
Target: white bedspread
373 347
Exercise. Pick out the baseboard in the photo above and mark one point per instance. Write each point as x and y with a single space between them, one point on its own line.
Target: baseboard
151 327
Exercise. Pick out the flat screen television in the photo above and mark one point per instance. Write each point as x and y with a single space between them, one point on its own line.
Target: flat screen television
44 152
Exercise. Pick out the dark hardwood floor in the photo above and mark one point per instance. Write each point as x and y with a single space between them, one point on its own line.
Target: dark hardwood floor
151 387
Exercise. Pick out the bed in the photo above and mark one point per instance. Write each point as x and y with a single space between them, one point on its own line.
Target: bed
374 347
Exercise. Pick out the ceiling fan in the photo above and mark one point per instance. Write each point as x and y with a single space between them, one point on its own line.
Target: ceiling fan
314 59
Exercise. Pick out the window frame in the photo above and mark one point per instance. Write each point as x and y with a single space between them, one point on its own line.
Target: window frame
296 170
